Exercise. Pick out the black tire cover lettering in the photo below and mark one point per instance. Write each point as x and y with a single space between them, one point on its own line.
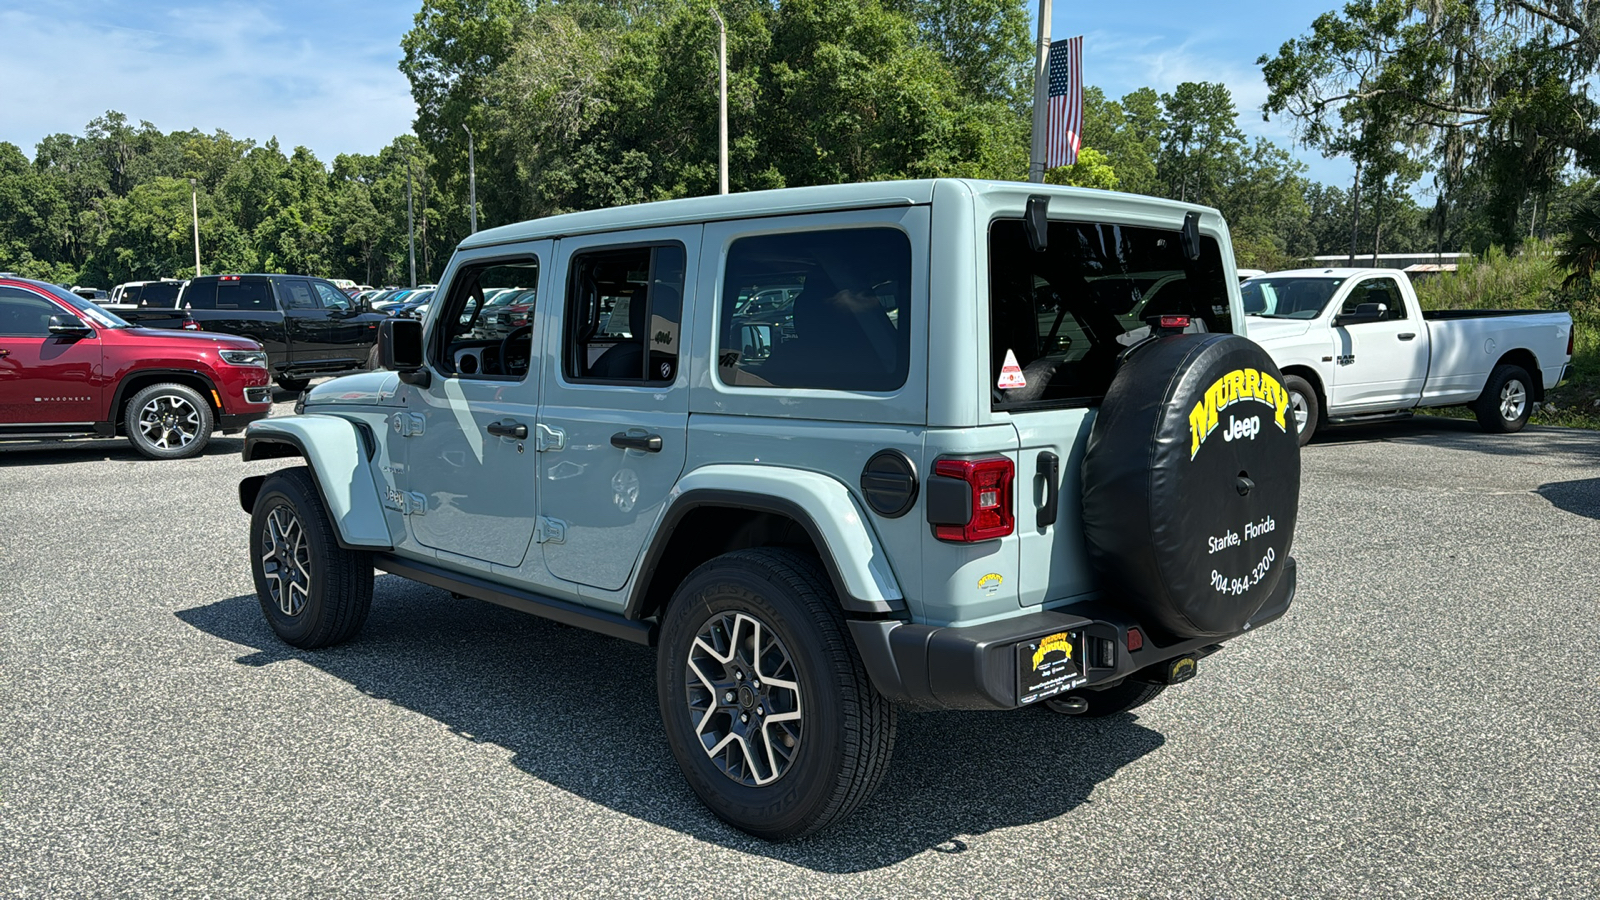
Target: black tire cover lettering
1191 483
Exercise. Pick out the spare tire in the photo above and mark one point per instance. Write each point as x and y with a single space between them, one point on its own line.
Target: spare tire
1191 483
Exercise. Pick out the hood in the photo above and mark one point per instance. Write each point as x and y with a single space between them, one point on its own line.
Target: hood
366 388
1263 330
208 338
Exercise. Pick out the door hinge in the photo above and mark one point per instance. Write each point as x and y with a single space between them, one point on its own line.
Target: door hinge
549 531
549 438
407 424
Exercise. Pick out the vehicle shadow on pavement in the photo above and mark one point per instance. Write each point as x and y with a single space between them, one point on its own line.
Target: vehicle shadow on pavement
1464 434
1581 497
579 712
90 450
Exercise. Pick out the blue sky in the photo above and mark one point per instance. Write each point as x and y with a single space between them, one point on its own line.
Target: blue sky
323 74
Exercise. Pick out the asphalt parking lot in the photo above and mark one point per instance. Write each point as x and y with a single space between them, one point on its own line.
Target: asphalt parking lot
1424 722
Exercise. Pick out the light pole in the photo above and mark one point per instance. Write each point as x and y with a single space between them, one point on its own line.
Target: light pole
472 177
411 223
722 102
1041 96
194 207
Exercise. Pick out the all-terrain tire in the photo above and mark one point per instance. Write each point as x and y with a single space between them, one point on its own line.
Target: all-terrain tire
313 592
1506 401
293 385
843 736
1303 396
1109 702
168 421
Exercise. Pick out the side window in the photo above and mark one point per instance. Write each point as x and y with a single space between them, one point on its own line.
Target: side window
1382 291
25 315
1060 319
130 294
817 309
624 310
486 328
296 294
233 292
331 297
199 294
163 294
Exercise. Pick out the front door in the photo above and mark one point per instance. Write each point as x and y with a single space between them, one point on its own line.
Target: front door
44 379
471 483
615 400
1381 365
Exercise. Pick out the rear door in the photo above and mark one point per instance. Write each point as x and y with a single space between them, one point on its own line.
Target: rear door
615 398
1062 317
1382 364
307 323
45 380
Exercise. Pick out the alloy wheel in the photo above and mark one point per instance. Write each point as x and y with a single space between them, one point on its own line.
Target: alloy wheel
1513 400
169 422
743 697
286 561
1302 412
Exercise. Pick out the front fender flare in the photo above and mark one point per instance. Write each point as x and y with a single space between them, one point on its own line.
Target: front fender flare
823 506
337 452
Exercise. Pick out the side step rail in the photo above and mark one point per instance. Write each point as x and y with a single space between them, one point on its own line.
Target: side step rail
612 624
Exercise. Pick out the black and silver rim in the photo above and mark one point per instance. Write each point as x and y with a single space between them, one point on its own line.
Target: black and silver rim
286 561
1302 410
169 422
1513 400
743 695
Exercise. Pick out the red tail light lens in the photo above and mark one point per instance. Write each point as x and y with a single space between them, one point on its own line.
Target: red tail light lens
990 481
1179 322
1135 639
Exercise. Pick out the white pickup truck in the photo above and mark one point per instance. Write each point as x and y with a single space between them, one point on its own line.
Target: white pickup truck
1355 346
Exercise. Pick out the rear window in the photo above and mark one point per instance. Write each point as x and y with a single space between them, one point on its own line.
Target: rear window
818 309
1063 316
243 293
162 294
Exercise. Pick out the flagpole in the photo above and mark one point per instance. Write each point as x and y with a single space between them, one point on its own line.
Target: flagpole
1041 96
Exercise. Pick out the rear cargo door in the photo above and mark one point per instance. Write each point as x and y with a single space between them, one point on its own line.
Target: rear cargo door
1059 320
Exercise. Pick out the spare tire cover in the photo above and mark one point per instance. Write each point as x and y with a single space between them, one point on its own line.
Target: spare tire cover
1191 483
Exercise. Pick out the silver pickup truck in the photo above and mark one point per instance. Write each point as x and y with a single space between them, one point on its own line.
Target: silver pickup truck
1354 345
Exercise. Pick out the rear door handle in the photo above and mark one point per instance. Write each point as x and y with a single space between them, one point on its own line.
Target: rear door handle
649 443
513 430
1049 467
1407 336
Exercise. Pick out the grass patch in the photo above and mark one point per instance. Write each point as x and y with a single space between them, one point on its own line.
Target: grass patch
1531 279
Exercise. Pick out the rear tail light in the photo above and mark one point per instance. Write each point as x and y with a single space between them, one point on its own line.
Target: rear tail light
189 324
1178 322
989 487
1135 639
1571 332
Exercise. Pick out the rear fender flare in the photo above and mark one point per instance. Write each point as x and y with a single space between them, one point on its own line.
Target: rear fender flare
856 562
338 453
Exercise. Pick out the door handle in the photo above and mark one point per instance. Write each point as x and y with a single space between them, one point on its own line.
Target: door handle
1407 336
514 430
1049 466
649 443
4 353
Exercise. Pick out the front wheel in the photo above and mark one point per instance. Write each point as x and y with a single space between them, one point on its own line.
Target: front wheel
1303 405
765 702
313 592
168 421
1506 401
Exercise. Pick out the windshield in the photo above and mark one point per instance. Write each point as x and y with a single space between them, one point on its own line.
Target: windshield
85 309
1288 298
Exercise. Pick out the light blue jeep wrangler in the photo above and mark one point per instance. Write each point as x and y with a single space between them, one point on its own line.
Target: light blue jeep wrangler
833 450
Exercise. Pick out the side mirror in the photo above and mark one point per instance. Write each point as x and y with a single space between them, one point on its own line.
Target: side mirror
1365 312
400 350
64 325
756 340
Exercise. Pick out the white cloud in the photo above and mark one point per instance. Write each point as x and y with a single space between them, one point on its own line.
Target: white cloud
255 72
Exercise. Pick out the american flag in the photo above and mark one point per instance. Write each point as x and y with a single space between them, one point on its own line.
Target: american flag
1065 115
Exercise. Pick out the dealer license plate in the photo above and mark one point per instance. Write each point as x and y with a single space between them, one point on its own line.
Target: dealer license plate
1049 665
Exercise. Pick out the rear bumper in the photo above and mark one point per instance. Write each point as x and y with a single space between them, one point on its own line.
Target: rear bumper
976 667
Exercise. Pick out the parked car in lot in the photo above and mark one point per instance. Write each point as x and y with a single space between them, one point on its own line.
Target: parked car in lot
140 294
1354 346
308 326
951 486
71 369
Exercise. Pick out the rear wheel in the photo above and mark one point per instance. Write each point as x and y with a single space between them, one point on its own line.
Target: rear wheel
293 385
1303 405
168 421
313 592
766 705
1506 401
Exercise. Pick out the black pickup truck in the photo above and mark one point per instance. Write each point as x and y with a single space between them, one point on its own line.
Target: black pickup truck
308 326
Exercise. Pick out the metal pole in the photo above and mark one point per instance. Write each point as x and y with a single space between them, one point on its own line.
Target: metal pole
411 223
194 206
1041 96
722 100
472 177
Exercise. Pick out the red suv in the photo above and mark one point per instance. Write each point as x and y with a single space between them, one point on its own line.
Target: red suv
71 369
